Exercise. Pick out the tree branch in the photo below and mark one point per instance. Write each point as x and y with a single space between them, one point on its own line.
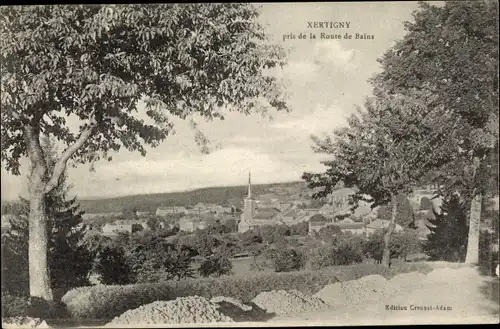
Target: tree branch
35 151
60 166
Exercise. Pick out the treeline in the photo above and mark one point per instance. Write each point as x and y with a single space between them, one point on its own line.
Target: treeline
150 202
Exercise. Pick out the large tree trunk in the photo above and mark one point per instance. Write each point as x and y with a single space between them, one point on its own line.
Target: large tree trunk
386 255
38 247
472 256
38 230
41 183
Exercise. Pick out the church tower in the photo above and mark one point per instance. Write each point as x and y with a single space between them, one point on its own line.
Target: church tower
249 203
248 210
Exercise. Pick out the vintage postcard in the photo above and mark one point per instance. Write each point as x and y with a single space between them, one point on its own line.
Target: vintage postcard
249 164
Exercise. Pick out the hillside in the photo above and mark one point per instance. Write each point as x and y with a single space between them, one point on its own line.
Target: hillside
217 195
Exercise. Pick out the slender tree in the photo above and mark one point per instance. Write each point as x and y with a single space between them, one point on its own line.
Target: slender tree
451 52
380 154
110 66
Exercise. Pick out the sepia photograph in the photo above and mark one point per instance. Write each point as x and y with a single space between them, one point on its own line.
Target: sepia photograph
249 164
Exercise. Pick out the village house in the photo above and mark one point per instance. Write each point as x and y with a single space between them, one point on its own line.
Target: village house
328 210
317 222
224 208
190 224
165 211
305 214
380 224
143 213
124 226
197 209
348 225
291 216
284 205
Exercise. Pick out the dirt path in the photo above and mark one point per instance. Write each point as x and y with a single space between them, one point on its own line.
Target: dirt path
459 301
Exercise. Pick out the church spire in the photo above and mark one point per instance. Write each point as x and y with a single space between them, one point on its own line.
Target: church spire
249 186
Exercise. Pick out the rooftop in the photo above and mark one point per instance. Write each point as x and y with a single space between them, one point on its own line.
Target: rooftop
291 213
127 222
318 218
350 226
268 209
345 191
380 223
264 215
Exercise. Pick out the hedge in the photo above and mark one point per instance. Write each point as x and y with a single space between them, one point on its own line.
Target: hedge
106 302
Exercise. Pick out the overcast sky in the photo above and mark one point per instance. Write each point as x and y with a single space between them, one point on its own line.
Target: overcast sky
325 80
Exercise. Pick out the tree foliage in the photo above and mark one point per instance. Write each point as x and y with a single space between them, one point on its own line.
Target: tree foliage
448 237
111 266
339 249
405 243
216 265
451 53
122 72
151 259
439 90
97 62
285 260
405 214
328 233
380 154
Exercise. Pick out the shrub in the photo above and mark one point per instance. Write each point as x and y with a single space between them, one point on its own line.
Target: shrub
250 237
330 255
338 249
328 233
216 265
14 306
286 260
15 276
449 234
111 266
404 244
158 260
374 246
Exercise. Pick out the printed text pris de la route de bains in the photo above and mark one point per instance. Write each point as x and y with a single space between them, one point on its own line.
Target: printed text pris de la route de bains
335 25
